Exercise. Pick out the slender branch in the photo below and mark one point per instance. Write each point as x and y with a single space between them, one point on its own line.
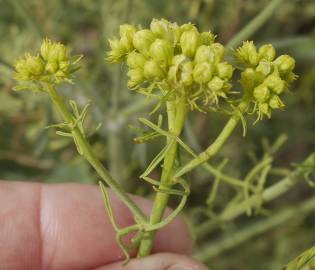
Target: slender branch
217 144
224 177
268 195
214 189
90 156
250 176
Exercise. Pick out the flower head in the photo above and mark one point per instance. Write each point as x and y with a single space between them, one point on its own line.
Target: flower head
179 60
52 65
168 56
266 77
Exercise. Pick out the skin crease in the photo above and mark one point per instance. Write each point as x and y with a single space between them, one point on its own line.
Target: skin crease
65 227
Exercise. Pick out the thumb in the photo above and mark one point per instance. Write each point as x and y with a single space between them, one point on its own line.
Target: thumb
160 261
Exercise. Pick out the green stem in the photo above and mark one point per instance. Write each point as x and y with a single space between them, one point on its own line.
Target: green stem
90 156
255 24
225 178
217 144
209 251
250 177
176 117
268 195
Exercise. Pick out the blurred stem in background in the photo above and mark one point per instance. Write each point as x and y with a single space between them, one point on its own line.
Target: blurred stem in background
113 14
255 24
237 237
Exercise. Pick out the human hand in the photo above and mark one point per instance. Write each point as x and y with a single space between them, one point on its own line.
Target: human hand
64 226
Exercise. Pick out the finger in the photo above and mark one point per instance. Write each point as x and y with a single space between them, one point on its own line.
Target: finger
161 261
64 226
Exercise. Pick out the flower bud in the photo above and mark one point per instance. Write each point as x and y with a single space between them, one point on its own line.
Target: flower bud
207 38
165 30
126 44
276 103
275 84
189 42
135 76
224 70
142 41
152 70
161 51
22 72
216 84
117 51
45 48
285 64
267 52
186 75
127 32
172 74
176 33
58 52
202 72
20 66
204 54
264 109
188 27
52 67
247 53
178 59
264 67
34 65
159 27
250 79
218 50
135 60
261 93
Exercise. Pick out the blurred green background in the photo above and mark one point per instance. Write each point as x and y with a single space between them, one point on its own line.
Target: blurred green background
30 152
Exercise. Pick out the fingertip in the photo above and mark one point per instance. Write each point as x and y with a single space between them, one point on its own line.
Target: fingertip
160 261
64 222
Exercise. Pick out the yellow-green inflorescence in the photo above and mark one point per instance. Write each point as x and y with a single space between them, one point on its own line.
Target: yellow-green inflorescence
52 65
180 60
265 77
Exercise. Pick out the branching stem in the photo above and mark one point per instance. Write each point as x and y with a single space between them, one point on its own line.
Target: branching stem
88 154
217 144
176 111
269 194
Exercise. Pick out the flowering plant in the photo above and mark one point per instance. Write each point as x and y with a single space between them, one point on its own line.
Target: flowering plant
184 70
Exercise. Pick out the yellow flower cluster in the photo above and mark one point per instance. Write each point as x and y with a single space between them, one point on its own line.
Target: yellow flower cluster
51 65
173 58
265 77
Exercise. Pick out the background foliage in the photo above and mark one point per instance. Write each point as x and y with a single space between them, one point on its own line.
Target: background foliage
30 152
